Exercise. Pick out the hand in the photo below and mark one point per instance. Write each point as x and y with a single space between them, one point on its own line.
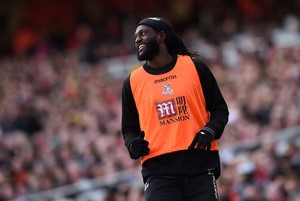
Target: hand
138 146
202 141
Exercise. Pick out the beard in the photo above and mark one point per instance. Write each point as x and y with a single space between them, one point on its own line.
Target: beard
152 48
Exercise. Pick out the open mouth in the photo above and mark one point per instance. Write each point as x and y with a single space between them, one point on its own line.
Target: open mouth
141 47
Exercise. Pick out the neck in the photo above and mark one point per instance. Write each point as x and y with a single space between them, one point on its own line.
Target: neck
159 61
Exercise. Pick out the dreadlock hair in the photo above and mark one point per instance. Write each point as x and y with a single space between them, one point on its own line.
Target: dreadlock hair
176 46
173 42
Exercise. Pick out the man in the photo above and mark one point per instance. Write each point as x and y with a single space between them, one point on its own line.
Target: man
172 114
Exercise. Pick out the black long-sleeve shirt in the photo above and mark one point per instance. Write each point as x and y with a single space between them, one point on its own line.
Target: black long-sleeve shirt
179 162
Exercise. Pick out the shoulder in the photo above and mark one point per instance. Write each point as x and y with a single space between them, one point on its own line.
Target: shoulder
133 77
199 63
136 72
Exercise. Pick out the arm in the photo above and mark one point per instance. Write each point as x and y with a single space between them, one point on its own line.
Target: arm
215 102
130 118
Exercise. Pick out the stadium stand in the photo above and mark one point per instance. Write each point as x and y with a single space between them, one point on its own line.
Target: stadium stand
60 82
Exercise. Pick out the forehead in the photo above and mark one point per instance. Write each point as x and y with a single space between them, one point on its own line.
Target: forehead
143 28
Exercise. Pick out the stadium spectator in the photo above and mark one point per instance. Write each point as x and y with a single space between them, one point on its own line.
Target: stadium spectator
75 107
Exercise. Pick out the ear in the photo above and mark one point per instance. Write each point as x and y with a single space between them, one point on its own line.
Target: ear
161 36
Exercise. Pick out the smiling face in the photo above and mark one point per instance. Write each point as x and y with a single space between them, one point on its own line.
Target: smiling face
146 43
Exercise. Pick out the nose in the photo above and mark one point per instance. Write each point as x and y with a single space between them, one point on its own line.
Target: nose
137 39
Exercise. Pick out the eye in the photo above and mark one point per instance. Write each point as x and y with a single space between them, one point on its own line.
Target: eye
140 33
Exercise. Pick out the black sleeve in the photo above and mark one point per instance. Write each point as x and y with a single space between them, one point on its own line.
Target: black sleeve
215 102
130 118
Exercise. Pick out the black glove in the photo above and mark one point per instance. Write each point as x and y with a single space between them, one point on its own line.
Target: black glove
138 146
202 140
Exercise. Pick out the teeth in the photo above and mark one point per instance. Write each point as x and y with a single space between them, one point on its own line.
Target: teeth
141 47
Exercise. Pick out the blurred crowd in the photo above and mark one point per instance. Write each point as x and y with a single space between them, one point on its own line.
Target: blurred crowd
60 112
